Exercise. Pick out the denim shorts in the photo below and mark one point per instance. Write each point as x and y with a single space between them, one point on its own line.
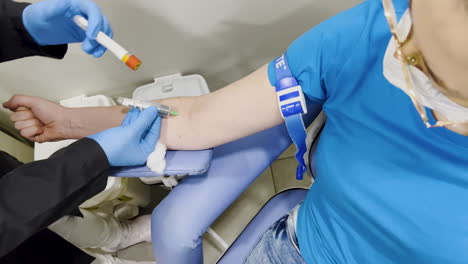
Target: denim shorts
279 243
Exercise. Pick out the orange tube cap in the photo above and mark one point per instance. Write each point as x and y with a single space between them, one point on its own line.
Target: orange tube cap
133 62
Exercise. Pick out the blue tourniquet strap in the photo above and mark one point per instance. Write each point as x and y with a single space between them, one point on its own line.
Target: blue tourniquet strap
298 134
292 105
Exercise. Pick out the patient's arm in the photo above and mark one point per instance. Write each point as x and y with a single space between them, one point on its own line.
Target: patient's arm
41 120
238 110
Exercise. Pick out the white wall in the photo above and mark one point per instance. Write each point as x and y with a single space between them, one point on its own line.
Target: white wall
221 39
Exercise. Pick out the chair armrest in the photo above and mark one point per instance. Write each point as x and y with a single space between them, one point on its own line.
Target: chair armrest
178 163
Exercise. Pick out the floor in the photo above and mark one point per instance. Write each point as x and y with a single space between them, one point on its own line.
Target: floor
279 176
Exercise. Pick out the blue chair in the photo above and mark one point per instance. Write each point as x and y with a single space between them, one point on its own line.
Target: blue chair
278 206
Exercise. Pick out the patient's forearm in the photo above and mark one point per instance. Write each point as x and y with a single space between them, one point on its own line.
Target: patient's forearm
91 120
238 110
177 132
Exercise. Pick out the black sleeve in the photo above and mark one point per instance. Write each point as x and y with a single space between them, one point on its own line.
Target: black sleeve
37 194
46 247
8 163
15 41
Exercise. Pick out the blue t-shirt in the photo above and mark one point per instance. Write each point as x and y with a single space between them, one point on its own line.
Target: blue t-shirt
387 189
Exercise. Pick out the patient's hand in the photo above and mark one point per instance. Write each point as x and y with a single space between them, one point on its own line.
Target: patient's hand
38 119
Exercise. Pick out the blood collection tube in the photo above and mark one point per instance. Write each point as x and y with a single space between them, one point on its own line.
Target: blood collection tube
122 54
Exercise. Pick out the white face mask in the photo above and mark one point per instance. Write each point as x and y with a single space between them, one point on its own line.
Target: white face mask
425 92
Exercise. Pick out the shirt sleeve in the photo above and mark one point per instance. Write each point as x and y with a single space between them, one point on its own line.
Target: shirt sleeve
319 54
37 194
15 41
8 163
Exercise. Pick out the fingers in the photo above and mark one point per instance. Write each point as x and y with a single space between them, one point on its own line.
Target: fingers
21 125
107 28
27 124
20 100
96 22
39 138
89 46
144 121
94 16
31 132
100 50
132 114
21 115
152 136
47 136
60 7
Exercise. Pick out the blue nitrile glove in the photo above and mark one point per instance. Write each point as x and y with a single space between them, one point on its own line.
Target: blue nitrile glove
131 143
50 22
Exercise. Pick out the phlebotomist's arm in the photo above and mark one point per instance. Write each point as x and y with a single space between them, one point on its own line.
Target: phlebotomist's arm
35 195
15 41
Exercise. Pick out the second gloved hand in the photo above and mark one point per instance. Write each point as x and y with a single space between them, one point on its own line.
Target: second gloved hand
132 142
50 22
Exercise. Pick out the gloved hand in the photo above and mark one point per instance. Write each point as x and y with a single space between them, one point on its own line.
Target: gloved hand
132 142
50 22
